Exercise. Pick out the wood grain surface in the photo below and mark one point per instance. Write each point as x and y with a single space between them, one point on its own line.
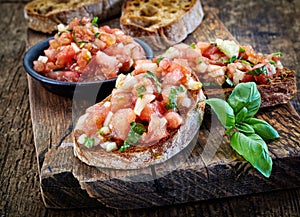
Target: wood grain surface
268 25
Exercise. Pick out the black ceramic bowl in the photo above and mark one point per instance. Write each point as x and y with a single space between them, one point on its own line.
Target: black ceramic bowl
67 89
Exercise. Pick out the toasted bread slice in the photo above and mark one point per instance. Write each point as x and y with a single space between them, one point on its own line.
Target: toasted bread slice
164 23
45 15
143 154
279 91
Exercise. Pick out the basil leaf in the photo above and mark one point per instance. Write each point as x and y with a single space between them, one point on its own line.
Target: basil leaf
245 95
241 115
245 128
223 111
134 134
263 128
89 142
253 148
152 75
261 70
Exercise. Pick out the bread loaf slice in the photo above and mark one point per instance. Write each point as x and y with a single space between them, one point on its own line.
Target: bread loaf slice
45 15
280 91
164 23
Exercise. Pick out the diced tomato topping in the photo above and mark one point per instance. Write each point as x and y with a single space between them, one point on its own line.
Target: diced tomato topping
153 108
262 79
174 120
65 56
51 53
248 78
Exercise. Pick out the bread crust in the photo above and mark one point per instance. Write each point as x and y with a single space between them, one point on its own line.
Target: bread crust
138 157
44 16
162 34
279 91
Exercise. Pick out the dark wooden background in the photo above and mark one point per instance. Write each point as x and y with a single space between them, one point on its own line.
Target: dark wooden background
270 25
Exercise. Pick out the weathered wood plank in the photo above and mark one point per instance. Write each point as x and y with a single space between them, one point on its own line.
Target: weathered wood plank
19 176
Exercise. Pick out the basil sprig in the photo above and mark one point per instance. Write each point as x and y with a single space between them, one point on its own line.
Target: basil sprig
247 134
135 132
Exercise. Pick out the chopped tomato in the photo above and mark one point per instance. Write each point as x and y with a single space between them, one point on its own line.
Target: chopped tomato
65 56
248 78
153 108
75 46
174 120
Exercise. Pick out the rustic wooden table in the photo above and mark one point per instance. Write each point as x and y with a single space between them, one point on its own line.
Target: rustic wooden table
267 25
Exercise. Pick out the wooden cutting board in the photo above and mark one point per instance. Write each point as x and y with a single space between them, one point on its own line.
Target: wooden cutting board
207 170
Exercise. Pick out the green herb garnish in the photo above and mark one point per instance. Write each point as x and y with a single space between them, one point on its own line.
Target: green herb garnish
181 88
247 134
140 90
193 46
159 59
272 62
242 49
172 101
261 70
95 21
89 142
277 54
97 35
82 43
246 62
231 59
152 75
135 132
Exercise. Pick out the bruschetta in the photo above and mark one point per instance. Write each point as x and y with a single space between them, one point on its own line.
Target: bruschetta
223 64
151 115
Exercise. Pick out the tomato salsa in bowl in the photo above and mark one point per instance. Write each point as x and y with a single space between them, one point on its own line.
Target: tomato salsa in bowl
84 55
